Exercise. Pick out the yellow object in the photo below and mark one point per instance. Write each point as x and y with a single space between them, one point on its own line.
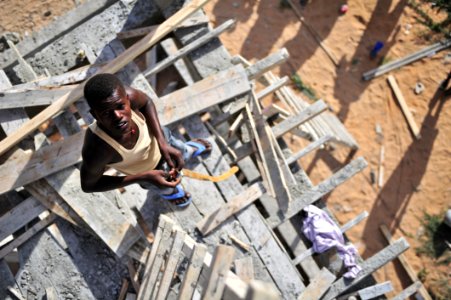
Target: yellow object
223 176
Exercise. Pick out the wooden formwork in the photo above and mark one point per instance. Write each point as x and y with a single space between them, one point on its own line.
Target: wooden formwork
257 213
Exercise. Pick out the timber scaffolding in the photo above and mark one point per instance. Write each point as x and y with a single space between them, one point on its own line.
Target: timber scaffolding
239 239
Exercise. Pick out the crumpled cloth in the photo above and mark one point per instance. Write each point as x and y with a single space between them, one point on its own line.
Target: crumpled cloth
322 231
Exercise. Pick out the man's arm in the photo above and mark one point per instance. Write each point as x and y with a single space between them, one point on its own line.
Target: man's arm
145 105
95 158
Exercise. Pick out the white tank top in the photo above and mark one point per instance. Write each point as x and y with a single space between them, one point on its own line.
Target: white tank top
144 156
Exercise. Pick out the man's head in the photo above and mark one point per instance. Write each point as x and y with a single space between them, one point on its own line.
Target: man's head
109 103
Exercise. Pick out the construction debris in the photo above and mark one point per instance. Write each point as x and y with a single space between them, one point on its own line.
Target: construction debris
129 244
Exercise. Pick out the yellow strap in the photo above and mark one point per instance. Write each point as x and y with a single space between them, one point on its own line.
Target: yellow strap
223 176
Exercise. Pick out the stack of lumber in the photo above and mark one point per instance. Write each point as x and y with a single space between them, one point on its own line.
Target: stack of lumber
239 239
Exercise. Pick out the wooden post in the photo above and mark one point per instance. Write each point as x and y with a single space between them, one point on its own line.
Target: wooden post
405 109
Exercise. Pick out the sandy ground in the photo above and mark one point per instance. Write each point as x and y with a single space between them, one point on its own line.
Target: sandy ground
417 173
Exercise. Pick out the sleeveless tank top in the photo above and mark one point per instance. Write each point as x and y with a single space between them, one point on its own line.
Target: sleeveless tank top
144 156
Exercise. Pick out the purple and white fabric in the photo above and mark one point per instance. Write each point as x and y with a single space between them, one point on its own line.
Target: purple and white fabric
322 231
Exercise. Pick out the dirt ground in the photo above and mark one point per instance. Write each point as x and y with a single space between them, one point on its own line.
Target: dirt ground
417 175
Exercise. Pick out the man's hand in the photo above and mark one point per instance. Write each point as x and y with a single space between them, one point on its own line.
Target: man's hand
162 178
172 156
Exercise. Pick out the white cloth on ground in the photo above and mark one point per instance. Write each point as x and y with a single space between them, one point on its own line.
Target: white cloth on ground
322 231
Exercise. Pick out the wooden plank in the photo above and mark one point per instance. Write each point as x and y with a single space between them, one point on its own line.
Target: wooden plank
210 91
273 87
286 125
310 147
244 268
271 61
369 266
133 275
193 272
404 262
106 220
137 32
25 69
69 77
19 216
409 291
222 261
237 203
49 197
27 235
261 291
32 97
375 291
405 109
189 48
155 260
170 48
319 285
304 116
171 265
275 176
123 291
261 158
7 280
112 67
317 192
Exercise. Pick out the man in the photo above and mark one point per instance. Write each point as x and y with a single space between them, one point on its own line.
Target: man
127 136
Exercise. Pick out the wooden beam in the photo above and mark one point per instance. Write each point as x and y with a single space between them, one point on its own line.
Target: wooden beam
244 268
69 77
139 32
170 266
405 109
154 262
32 97
273 87
271 61
304 116
193 272
27 235
310 147
19 216
369 266
317 192
189 48
106 220
112 67
222 261
375 291
407 267
318 286
213 220
409 291
170 47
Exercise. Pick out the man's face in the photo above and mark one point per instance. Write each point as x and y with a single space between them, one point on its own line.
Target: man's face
114 114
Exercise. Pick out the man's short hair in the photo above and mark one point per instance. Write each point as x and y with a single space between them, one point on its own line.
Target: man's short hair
100 87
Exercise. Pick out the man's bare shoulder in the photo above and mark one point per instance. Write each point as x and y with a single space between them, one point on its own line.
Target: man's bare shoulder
95 148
